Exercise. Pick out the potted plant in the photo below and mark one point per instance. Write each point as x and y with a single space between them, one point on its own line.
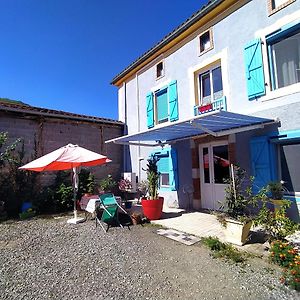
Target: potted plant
276 224
153 204
125 186
239 202
106 184
276 192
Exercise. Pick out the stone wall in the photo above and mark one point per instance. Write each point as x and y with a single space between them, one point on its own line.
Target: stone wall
44 134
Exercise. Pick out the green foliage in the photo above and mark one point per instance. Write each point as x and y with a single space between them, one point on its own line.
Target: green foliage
57 197
286 256
64 196
7 100
276 190
213 243
223 250
239 198
16 186
107 184
7 151
87 183
153 177
276 224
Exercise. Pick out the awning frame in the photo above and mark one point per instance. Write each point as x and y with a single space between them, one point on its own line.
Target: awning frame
192 122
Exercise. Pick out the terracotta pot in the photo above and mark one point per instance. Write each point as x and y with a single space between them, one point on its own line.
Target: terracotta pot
152 208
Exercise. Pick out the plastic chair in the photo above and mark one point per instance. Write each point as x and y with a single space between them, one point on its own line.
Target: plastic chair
109 215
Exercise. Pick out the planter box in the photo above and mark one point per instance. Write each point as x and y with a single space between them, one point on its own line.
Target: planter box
152 209
236 232
205 108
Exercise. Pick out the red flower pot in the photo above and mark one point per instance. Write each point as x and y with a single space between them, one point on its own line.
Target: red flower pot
205 108
152 208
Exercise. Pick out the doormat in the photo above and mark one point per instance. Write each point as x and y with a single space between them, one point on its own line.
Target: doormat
179 236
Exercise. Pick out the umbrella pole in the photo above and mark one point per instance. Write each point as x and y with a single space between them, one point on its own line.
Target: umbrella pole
75 220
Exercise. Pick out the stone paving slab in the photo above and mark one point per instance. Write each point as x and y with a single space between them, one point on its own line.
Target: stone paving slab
178 236
201 224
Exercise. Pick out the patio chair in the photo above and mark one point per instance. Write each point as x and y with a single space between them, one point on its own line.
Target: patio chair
110 212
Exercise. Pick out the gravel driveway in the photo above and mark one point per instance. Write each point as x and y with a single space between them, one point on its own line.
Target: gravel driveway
49 259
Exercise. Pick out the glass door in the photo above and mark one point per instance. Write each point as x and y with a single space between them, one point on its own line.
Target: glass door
214 174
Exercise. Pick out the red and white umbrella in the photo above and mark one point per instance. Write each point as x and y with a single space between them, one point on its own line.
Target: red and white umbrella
65 158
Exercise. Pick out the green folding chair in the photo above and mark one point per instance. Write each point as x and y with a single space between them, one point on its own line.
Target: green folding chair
109 214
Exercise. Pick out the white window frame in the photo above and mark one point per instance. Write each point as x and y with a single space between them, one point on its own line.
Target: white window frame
199 86
272 10
210 31
163 70
277 94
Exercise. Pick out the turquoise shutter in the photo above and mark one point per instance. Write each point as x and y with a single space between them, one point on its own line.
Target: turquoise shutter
150 110
263 162
173 101
254 69
173 171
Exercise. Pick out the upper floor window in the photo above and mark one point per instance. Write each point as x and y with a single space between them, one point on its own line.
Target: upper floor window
160 72
284 57
276 5
210 86
206 41
161 107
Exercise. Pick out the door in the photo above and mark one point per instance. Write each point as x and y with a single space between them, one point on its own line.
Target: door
214 173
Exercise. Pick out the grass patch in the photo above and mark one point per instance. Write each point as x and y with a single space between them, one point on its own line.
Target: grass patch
223 250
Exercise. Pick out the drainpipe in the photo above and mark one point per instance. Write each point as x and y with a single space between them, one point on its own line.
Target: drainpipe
125 164
138 123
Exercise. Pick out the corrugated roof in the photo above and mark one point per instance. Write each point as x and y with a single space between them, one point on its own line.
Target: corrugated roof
32 110
210 5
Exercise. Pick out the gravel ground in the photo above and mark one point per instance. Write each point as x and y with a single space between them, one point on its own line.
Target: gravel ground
46 258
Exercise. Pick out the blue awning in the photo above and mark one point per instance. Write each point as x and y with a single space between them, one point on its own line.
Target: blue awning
216 123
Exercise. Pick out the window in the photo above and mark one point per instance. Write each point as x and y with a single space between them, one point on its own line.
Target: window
163 168
167 168
160 70
289 161
161 101
210 85
284 57
162 105
276 5
206 41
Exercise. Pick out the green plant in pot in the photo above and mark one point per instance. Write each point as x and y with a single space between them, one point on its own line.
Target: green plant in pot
275 189
152 204
275 223
238 207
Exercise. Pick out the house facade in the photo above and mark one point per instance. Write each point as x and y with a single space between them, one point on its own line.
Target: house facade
222 88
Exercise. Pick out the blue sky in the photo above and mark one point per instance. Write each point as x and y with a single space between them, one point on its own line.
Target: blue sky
62 54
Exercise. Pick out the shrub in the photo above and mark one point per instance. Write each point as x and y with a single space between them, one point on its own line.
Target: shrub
285 255
239 198
276 224
107 183
282 253
223 250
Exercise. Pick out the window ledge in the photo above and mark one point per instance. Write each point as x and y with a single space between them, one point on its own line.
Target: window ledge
285 91
206 50
160 77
